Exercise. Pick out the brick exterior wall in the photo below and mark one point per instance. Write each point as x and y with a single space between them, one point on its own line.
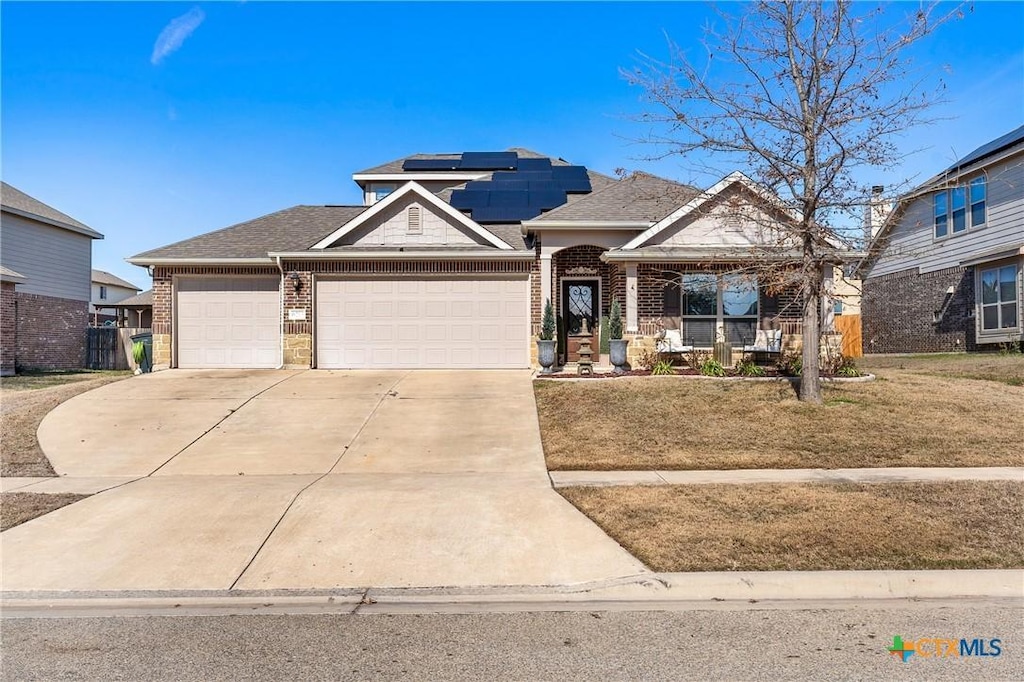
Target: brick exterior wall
899 312
298 334
586 262
8 328
50 332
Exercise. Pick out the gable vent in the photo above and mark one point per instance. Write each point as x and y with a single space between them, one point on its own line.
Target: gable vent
415 222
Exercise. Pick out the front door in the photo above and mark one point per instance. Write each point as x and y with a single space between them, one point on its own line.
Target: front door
580 317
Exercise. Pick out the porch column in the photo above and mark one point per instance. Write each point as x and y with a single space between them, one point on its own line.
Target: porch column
545 281
632 325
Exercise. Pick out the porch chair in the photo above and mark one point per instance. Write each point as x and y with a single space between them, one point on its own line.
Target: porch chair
767 342
671 341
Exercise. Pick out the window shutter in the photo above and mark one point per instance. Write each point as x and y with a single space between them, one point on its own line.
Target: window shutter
670 303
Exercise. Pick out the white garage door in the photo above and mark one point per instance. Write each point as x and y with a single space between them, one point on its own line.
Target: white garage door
229 322
423 323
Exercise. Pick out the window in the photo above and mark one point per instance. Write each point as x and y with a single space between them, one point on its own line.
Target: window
712 302
978 201
103 293
415 224
960 208
382 191
999 298
941 218
837 308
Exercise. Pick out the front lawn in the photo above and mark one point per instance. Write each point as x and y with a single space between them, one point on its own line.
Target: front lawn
905 418
24 401
805 527
1007 368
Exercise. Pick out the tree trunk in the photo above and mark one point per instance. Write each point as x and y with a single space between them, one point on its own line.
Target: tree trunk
810 379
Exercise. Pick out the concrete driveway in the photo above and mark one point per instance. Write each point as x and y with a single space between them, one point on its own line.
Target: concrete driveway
307 479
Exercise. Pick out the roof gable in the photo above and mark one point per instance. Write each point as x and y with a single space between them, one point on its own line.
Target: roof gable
425 198
104 277
707 211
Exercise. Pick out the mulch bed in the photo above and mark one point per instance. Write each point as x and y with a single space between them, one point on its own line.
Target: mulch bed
769 373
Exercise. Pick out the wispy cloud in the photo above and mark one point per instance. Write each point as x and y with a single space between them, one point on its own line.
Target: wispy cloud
175 33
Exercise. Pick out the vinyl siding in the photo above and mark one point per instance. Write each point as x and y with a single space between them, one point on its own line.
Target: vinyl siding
911 243
55 262
114 294
729 220
392 229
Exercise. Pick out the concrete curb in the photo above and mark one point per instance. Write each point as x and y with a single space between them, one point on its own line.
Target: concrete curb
658 592
562 479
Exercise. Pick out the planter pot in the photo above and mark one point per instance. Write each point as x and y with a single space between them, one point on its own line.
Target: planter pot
617 354
546 356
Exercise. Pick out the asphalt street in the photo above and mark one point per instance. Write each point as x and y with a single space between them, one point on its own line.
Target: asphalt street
835 644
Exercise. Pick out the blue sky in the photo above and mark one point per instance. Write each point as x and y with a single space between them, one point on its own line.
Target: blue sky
153 122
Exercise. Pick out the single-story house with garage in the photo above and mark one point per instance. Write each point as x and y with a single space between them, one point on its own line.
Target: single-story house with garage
449 261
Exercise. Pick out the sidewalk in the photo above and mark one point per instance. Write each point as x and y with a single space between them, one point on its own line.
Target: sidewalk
564 479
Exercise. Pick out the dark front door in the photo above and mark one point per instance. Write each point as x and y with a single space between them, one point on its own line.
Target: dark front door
580 317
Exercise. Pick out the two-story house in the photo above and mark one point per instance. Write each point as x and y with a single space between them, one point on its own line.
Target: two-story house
46 300
108 289
944 272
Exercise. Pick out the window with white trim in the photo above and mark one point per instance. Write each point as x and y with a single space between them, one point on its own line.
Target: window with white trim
959 208
103 293
999 298
711 302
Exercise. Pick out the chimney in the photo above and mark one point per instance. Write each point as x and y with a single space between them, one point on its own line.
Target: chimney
875 214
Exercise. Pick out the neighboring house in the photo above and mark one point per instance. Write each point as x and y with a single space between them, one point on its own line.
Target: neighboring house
944 272
9 279
52 253
108 289
450 259
135 312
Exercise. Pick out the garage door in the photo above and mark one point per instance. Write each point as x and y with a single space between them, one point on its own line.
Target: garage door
423 323
229 322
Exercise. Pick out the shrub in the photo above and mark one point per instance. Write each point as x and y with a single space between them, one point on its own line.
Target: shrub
663 367
748 368
547 324
790 364
648 358
615 321
138 352
712 368
696 358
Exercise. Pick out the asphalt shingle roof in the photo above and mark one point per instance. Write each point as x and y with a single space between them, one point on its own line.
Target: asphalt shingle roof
104 277
639 197
293 229
143 299
1002 142
14 198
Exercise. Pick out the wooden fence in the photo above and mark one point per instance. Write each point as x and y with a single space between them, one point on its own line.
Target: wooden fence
111 347
849 327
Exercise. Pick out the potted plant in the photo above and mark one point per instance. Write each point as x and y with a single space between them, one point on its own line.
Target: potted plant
616 344
546 342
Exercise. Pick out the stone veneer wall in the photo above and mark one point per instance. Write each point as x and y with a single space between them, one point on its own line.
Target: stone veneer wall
8 328
910 312
50 332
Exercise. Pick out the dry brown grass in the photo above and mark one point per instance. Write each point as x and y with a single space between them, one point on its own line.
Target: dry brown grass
1004 368
17 508
900 526
902 419
23 406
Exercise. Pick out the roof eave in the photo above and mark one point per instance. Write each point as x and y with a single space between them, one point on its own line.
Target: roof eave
445 255
531 225
404 177
143 261
88 232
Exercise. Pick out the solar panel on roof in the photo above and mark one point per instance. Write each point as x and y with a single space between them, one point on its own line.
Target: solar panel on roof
504 184
469 199
505 214
560 172
509 198
534 164
430 164
488 160
547 199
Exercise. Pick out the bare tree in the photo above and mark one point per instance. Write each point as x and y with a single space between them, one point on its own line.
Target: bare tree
803 95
